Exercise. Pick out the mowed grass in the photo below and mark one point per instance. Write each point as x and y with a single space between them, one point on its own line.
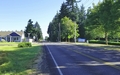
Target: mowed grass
17 61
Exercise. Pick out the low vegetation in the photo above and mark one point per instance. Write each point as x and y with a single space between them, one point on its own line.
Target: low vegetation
24 44
17 61
103 42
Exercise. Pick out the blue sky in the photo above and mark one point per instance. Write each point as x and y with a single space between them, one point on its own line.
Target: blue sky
14 14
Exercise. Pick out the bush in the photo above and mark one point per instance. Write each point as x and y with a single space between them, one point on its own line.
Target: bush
28 44
24 44
114 43
97 41
21 44
3 40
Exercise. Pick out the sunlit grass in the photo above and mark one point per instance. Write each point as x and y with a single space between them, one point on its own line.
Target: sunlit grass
14 60
104 46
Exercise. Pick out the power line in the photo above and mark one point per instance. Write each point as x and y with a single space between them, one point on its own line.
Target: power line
85 2
89 4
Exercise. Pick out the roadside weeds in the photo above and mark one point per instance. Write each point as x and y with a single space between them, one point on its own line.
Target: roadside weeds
40 65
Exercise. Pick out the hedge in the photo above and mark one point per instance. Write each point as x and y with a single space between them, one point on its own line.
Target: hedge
97 41
103 42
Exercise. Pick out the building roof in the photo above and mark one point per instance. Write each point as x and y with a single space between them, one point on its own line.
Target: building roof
12 33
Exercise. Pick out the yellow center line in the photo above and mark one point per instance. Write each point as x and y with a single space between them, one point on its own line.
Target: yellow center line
111 64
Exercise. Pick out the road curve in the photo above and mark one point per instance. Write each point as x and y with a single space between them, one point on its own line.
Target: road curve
68 59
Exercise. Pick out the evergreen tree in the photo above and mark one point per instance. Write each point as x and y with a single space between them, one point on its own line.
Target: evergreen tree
53 28
34 30
29 29
64 11
38 32
69 9
81 21
73 8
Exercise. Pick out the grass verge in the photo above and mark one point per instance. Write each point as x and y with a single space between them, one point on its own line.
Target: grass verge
104 46
17 61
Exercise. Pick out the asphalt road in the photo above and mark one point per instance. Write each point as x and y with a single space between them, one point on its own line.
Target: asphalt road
69 59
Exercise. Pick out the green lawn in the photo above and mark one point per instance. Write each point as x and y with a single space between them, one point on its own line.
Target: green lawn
17 61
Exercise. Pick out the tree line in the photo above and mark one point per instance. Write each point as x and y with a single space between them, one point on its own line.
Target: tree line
99 21
103 20
33 31
68 22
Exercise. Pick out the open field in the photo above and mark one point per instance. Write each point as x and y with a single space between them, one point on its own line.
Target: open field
17 61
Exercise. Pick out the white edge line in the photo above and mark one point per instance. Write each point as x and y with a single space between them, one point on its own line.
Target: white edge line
55 62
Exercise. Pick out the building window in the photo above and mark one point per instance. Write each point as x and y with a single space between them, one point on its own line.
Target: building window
14 38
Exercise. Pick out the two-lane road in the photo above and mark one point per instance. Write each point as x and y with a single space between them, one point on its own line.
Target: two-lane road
68 59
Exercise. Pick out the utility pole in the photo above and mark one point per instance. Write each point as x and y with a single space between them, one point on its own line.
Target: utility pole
75 32
59 34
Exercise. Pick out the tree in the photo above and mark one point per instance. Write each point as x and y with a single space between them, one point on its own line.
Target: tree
93 28
64 11
81 21
38 32
115 10
46 38
34 30
68 28
69 9
29 29
73 9
106 17
53 28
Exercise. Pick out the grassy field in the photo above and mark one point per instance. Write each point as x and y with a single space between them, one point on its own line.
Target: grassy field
17 61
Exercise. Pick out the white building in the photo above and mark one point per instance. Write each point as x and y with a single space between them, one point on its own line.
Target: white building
12 36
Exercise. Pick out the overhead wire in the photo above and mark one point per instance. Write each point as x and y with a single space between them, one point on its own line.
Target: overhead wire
89 4
85 2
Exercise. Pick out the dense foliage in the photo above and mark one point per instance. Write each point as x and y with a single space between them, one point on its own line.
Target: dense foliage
68 29
33 31
101 21
68 22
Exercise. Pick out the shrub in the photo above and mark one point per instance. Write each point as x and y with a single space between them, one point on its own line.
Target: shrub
21 44
114 43
3 40
28 44
24 44
103 42
97 41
